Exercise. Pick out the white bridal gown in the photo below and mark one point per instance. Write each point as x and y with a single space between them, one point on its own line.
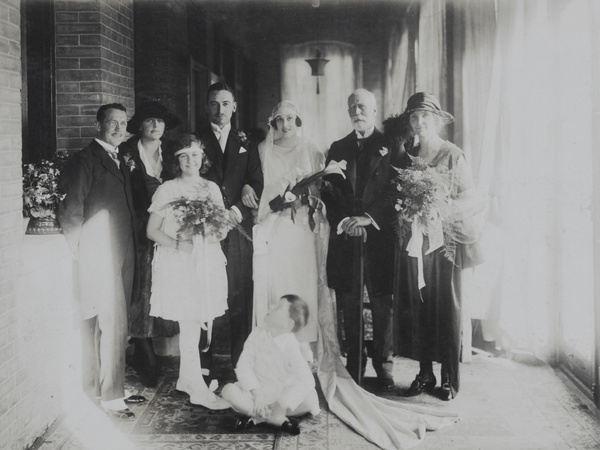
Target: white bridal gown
285 249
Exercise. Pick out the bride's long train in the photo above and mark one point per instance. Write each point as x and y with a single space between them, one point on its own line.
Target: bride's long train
390 424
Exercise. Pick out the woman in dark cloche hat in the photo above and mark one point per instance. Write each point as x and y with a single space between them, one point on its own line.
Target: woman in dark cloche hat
427 289
144 153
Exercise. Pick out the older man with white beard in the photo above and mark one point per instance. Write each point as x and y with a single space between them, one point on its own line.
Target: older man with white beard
358 207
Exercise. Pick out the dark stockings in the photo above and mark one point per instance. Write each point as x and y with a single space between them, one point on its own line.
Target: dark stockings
426 369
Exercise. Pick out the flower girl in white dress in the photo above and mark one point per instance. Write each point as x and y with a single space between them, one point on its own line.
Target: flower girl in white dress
189 281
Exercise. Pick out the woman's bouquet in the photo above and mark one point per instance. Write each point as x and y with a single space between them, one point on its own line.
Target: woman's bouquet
422 197
301 191
203 217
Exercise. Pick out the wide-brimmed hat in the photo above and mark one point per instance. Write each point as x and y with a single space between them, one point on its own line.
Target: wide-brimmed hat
424 101
151 110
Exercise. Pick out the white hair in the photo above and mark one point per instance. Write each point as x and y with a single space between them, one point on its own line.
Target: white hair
363 91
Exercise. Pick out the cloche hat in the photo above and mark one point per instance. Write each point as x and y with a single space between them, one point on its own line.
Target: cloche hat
424 101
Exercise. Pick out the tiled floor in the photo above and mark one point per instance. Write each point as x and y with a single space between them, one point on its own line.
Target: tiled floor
503 404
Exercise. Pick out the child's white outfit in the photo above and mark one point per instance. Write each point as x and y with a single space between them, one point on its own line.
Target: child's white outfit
276 365
187 286
190 288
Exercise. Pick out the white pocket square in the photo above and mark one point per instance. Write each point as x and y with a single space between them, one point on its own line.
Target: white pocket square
243 150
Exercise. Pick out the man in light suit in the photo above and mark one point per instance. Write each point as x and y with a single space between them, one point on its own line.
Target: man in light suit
357 207
235 163
97 218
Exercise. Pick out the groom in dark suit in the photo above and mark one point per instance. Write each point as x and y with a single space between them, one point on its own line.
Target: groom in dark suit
358 209
235 163
97 218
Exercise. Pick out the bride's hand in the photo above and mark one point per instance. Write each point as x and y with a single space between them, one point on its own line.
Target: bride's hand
249 197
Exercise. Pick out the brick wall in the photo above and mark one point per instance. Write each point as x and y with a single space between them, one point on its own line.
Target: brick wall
94 59
94 64
12 381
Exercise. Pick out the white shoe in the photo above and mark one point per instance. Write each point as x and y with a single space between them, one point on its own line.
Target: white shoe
183 386
203 396
209 400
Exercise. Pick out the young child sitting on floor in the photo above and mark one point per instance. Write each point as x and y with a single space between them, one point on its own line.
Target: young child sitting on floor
274 379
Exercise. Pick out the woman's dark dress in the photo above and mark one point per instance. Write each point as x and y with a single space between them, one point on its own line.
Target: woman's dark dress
141 324
428 324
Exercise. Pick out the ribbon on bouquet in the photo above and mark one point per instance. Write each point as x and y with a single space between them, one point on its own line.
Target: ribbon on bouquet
415 245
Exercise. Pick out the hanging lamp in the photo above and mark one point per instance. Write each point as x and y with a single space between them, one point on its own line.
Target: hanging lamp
317 67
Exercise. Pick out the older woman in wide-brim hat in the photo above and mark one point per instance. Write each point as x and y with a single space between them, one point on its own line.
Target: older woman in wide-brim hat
427 292
144 153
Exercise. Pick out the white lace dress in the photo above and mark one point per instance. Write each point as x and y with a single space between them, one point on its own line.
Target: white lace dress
187 286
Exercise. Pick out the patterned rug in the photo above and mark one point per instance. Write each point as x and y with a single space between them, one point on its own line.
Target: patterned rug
170 413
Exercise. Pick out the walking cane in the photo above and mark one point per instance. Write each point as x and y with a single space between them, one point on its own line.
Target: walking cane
361 294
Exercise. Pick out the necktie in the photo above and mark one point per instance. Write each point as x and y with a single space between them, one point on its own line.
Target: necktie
219 136
115 156
361 167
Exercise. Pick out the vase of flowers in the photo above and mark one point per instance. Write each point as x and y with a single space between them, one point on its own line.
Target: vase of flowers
41 195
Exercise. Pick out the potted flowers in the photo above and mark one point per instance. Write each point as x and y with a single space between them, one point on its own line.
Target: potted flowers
41 195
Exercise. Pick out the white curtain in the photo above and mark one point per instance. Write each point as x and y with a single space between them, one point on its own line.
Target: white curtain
431 61
325 116
477 24
535 165
400 75
474 37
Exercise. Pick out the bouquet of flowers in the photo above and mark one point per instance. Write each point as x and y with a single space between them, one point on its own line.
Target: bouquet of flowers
41 193
422 195
204 217
301 191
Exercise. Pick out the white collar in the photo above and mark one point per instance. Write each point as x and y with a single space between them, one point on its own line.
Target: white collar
148 164
224 131
106 146
368 133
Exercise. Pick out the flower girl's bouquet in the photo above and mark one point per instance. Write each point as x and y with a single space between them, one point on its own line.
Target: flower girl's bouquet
204 217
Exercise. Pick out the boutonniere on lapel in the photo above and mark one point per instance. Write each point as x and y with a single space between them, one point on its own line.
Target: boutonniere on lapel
242 138
383 151
129 161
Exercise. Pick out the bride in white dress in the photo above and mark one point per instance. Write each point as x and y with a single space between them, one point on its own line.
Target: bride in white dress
285 249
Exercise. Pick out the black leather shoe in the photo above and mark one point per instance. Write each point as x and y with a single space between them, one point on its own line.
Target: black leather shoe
122 414
420 385
291 426
243 423
446 389
135 399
